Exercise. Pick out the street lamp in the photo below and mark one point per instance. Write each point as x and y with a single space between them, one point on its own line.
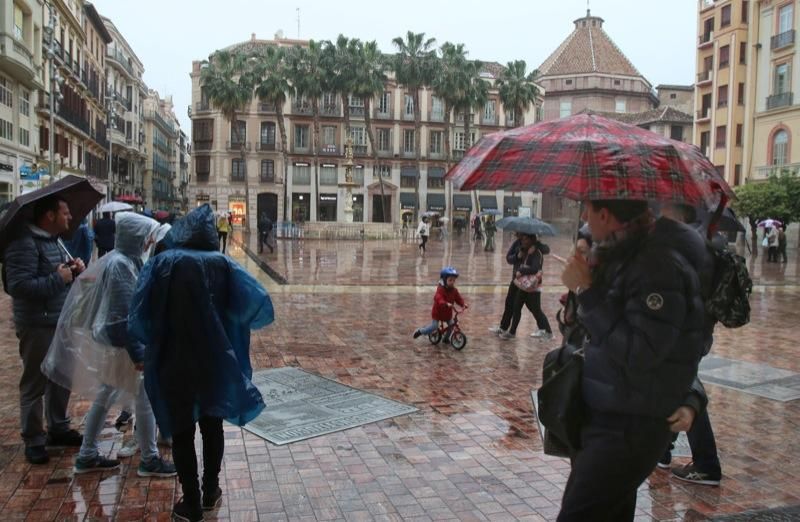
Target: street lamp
56 81
112 114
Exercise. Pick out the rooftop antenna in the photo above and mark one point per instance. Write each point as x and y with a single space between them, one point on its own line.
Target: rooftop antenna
588 11
298 23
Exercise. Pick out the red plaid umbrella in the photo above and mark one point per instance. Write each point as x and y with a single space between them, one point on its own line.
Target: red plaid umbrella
587 157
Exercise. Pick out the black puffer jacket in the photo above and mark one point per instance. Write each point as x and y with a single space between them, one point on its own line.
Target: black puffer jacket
513 259
645 318
32 280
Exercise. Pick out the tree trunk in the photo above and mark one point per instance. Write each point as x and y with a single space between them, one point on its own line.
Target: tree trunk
285 155
371 137
754 235
346 112
315 141
417 141
448 158
467 145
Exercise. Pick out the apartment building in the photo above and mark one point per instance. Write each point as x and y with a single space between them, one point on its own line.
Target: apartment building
161 138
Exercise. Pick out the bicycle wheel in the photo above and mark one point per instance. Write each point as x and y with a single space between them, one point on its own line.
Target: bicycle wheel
458 340
435 337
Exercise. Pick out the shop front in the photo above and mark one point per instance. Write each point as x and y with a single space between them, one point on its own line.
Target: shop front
462 207
436 203
237 208
511 205
200 200
487 202
301 206
327 207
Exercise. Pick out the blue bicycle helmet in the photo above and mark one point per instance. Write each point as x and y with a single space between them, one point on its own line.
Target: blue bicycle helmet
448 271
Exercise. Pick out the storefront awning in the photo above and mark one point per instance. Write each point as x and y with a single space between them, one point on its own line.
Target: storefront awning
488 202
436 202
512 202
435 172
462 202
408 200
408 172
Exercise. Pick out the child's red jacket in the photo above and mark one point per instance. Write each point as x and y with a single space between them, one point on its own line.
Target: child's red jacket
444 295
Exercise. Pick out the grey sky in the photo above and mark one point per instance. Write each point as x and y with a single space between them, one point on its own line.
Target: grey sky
658 36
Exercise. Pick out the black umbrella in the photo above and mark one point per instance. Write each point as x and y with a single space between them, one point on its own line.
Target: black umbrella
79 194
728 222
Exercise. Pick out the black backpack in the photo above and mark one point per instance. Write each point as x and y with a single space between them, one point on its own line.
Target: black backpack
729 299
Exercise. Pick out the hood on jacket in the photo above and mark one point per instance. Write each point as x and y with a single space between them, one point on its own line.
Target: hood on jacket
133 231
196 231
684 239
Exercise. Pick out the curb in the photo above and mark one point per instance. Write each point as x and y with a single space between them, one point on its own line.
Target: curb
271 272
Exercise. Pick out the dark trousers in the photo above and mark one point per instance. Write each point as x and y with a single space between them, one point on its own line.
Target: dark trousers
223 239
533 300
618 453
703 445
183 452
508 309
424 240
264 239
37 391
782 252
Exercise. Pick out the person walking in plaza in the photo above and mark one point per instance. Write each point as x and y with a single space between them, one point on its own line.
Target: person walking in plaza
423 231
490 229
37 276
223 227
265 233
781 243
771 236
640 301
531 264
193 310
444 300
104 231
94 327
476 226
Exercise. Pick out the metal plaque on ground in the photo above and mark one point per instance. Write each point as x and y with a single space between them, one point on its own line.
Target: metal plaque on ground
302 405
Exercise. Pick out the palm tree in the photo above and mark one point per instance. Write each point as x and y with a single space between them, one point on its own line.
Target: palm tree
476 94
271 86
414 68
368 82
338 60
517 89
227 81
448 86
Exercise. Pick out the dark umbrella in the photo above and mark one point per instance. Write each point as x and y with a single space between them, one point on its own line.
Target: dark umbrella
79 194
587 157
728 222
526 225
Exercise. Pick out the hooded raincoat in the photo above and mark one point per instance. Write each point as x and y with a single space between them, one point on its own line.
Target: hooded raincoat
91 346
193 310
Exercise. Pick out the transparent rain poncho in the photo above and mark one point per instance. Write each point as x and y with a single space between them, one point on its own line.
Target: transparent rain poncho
91 346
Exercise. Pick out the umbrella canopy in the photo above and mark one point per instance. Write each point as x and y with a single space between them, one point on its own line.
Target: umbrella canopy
526 225
769 223
588 157
728 222
114 206
430 213
490 212
76 191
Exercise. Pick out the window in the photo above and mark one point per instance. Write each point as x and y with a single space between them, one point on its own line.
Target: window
739 131
617 82
740 94
6 130
408 141
356 101
6 97
384 139
676 132
237 169
24 137
745 7
780 148
720 137
568 82
722 96
203 130
384 171
329 136
19 23
781 78
25 103
408 110
566 108
267 173
725 16
460 143
489 113
437 109
238 132
329 102
672 96
267 133
359 136
202 165
328 175
705 139
408 181
301 175
383 102
785 16
620 105
724 56
435 182
301 136
743 53
436 142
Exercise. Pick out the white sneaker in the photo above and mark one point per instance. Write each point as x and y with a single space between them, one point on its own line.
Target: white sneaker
496 330
546 336
538 333
128 449
506 336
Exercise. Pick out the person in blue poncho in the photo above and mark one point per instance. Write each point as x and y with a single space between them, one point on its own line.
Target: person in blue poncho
81 244
193 309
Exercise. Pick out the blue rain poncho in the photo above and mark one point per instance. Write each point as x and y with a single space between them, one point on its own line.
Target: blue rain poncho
91 346
193 310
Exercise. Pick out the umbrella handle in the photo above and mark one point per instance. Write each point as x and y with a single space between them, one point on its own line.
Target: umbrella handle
64 249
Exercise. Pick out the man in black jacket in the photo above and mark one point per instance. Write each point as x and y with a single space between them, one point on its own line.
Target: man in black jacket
104 231
38 278
640 300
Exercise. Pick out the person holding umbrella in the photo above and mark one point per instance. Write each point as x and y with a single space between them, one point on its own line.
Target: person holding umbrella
489 228
423 231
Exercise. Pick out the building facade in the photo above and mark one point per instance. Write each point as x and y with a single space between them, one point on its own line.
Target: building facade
679 97
218 173
161 136
21 77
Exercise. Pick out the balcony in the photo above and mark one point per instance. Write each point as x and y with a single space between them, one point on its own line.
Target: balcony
359 150
457 154
165 125
721 104
301 108
783 99
17 61
264 107
408 116
775 170
703 77
266 147
357 111
329 150
202 145
489 121
436 116
237 145
784 39
116 56
703 114
385 153
383 115
705 40
202 106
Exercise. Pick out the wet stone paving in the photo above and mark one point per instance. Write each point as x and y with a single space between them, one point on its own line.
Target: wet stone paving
471 451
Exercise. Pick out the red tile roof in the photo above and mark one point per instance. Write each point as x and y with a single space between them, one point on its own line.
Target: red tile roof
661 114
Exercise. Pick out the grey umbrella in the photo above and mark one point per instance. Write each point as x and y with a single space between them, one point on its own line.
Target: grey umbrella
527 225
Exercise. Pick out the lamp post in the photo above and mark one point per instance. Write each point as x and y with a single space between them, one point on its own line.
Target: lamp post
55 87
112 114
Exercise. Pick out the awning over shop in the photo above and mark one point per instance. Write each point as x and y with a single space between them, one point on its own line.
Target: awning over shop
436 202
408 172
488 202
435 172
408 200
512 202
462 202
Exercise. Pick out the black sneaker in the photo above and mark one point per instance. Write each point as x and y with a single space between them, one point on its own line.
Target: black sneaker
71 438
157 467
182 511
665 460
96 464
37 455
690 473
212 501
417 333
125 418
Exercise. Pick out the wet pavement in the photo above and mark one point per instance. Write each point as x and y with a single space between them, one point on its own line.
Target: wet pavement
471 452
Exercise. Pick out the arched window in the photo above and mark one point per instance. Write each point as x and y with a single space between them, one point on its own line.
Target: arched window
780 148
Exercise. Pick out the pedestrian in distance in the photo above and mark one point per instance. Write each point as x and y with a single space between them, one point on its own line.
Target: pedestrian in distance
223 227
490 229
444 300
640 301
104 231
37 274
781 243
531 257
423 231
772 244
265 227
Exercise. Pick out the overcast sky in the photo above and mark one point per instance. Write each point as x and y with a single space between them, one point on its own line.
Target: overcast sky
658 36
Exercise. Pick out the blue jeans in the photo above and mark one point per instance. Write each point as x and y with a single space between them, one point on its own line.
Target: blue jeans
427 330
95 420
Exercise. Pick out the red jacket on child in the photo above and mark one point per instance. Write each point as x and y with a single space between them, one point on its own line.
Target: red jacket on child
444 295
